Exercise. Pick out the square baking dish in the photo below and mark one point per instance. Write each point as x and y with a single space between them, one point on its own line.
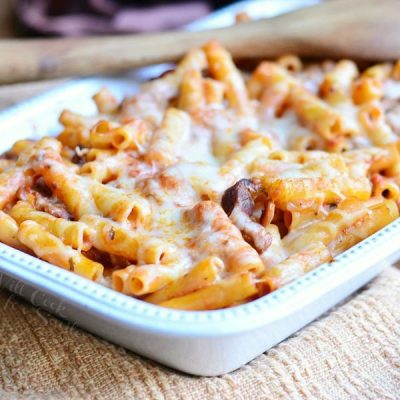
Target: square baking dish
200 343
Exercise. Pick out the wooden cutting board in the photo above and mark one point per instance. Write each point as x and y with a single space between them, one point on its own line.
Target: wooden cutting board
357 29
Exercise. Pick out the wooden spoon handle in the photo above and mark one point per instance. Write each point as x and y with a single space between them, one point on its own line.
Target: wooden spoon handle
358 29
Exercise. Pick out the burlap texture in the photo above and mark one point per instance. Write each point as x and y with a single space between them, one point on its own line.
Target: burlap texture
351 353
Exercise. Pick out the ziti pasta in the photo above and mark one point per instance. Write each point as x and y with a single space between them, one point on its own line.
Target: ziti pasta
211 187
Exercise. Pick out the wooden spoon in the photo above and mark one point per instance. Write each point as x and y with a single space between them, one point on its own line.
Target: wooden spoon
357 29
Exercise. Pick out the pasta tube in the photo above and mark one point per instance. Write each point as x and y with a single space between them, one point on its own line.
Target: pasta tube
385 187
213 91
318 116
74 234
51 249
191 94
195 59
372 119
101 134
70 188
327 229
111 237
378 71
144 279
133 134
367 89
348 213
271 84
157 251
220 295
294 267
120 207
203 274
222 68
167 141
379 215
336 86
290 62
105 101
237 164
9 232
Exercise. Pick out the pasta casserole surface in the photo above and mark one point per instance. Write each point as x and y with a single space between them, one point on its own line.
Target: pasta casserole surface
211 187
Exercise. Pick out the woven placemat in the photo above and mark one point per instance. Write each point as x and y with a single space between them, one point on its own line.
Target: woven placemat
351 353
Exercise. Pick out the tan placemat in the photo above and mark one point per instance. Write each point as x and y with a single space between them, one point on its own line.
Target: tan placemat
352 353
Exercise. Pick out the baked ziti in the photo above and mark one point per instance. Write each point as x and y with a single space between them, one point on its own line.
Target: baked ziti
211 187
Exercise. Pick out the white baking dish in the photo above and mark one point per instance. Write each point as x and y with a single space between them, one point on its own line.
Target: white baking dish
200 343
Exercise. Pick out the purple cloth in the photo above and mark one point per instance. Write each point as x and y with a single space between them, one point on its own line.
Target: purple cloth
104 16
